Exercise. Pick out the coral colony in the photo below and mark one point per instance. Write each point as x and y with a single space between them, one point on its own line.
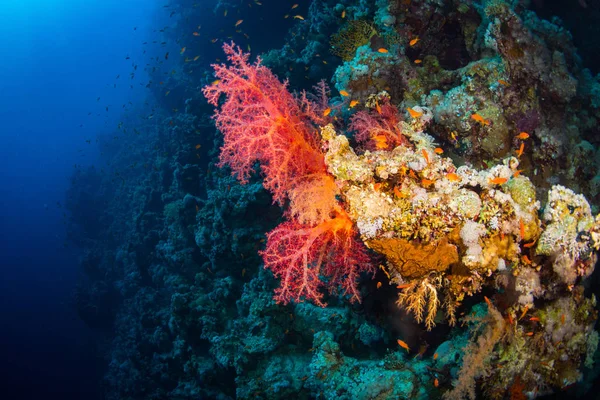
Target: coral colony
445 232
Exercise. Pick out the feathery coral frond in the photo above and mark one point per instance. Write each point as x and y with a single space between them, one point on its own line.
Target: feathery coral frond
262 122
299 254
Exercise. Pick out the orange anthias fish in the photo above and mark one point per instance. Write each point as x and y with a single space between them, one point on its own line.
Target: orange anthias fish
413 113
344 93
327 112
523 135
300 17
520 151
498 181
438 150
452 177
414 41
344 14
403 344
425 155
418 61
480 119
380 141
503 82
382 50
427 182
182 50
353 103
239 21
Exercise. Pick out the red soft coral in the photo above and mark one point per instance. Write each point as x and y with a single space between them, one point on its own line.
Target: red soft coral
261 121
376 130
300 254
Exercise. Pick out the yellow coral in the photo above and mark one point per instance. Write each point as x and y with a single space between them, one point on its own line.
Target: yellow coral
350 37
413 260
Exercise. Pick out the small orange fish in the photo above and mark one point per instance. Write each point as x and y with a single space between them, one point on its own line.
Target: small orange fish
378 285
526 260
414 41
382 50
344 93
510 319
196 34
436 383
418 61
438 150
427 182
497 181
403 286
480 119
562 319
344 14
488 301
403 344
503 82
535 319
294 6
521 229
435 356
525 309
377 187
452 177
215 82
378 108
528 245
517 172
300 17
182 50
523 135
353 103
412 174
413 113
397 192
327 112
529 334
520 151
425 155
380 141
198 146
239 21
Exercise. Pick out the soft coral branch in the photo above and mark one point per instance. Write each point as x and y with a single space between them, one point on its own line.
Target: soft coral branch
261 121
300 254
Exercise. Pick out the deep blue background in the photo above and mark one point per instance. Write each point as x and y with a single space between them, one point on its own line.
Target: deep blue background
57 57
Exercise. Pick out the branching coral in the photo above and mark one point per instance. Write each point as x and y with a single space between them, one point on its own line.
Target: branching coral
262 122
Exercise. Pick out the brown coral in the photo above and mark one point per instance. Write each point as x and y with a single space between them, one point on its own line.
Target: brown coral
413 260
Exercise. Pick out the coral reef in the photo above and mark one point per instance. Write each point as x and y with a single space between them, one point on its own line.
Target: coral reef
431 231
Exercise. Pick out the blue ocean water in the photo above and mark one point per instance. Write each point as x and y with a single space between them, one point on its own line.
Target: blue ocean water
59 57
136 266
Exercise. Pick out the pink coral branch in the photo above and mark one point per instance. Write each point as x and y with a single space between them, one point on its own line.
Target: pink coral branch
262 122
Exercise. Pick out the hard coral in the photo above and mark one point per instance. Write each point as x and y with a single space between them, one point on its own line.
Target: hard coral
350 37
